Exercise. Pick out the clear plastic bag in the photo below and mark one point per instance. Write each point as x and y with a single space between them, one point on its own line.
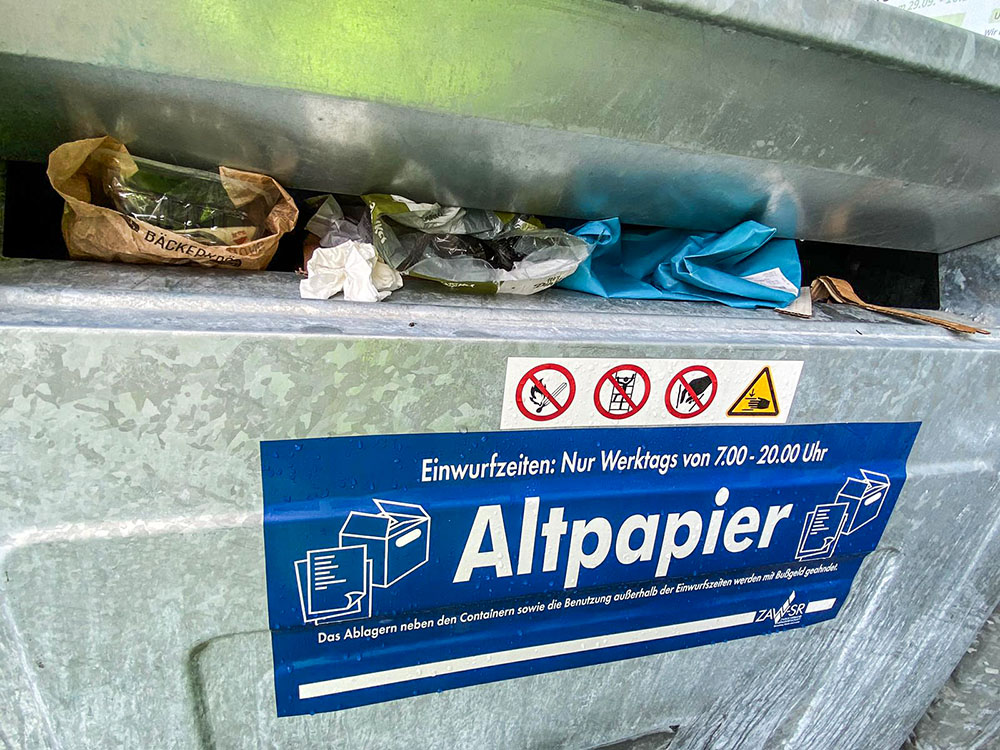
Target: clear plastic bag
207 208
472 249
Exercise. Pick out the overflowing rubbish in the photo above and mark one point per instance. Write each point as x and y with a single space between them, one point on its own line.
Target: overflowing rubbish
472 249
350 266
743 267
333 223
124 208
338 255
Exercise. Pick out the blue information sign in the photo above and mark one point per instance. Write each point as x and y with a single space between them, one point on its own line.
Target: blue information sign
405 564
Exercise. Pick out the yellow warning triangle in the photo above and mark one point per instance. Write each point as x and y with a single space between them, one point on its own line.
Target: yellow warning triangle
759 398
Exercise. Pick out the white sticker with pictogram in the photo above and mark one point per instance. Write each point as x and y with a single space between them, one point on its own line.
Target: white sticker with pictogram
638 392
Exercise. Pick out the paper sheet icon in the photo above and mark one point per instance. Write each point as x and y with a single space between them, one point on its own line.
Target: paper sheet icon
858 503
334 584
821 531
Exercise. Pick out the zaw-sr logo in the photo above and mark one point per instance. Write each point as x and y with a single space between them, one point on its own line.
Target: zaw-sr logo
789 613
375 550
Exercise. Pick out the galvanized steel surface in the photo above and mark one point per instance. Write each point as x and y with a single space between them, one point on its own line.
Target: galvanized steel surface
3 202
132 591
967 712
849 122
970 282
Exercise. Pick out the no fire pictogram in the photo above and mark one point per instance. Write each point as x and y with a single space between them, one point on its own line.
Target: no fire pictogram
622 391
691 391
545 392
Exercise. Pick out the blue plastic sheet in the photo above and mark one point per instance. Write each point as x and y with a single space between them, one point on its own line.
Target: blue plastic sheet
743 267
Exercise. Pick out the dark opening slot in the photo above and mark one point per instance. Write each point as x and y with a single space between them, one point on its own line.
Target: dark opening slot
896 278
32 214
885 277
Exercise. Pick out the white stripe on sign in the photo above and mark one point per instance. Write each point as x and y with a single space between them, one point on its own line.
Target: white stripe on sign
529 653
821 605
602 392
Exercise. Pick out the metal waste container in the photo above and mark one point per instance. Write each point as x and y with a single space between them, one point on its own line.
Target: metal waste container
194 461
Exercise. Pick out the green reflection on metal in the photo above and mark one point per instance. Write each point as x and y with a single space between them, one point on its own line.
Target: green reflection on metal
511 60
552 63
436 53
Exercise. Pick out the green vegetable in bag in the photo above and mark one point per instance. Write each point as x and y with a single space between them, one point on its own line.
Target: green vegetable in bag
189 202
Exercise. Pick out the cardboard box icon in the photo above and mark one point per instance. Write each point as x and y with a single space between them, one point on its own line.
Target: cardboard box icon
397 539
865 497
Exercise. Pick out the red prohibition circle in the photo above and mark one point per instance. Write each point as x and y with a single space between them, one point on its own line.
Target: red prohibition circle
609 376
532 376
680 377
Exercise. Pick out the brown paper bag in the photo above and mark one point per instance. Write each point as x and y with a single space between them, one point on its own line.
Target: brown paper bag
94 232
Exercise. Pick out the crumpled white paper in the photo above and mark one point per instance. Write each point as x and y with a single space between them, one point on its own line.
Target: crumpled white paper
351 266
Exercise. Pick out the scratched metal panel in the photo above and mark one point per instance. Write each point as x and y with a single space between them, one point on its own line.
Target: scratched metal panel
970 282
132 598
966 714
847 121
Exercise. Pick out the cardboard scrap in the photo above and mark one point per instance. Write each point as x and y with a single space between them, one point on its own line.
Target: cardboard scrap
827 288
800 307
